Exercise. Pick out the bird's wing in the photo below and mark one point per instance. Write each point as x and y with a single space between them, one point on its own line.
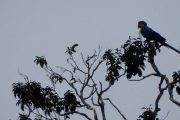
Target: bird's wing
157 37
152 35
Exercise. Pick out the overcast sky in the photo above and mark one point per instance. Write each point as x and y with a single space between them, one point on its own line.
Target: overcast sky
30 28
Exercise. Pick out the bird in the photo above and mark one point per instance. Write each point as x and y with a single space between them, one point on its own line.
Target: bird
150 34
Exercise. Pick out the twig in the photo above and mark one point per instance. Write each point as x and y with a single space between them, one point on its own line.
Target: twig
166 116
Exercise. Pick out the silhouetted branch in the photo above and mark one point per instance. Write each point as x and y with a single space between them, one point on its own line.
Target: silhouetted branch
76 112
86 88
116 108
166 116
92 92
92 100
161 91
144 77
163 77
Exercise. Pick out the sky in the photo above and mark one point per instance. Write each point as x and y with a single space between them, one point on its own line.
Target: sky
30 28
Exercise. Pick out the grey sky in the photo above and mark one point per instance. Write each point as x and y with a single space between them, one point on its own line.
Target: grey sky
46 27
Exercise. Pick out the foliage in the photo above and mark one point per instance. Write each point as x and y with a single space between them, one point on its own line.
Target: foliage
56 78
70 101
32 96
23 117
147 114
135 54
176 81
127 61
113 65
71 50
134 57
41 61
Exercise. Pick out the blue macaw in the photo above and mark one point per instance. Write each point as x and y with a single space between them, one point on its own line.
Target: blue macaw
150 34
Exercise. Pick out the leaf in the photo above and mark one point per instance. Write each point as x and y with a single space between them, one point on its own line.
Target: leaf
178 90
71 50
40 60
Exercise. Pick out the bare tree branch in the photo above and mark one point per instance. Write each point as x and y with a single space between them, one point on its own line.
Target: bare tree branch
163 77
116 108
144 77
76 112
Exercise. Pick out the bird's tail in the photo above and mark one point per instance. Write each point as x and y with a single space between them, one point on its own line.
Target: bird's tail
169 46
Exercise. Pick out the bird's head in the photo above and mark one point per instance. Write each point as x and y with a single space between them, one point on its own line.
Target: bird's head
142 24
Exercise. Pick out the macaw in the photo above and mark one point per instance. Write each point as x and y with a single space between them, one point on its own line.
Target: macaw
150 34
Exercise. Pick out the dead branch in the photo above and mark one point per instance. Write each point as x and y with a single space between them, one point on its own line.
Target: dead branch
116 108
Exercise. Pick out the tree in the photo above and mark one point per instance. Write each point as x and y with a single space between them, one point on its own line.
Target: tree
86 94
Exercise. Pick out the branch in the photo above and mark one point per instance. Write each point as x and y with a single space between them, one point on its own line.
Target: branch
144 77
92 92
116 108
77 112
24 76
97 56
169 87
97 66
106 89
82 57
40 115
166 116
92 100
100 99
75 65
161 91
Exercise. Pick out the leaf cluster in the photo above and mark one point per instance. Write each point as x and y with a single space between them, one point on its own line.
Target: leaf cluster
113 64
56 78
129 60
176 81
70 102
24 117
41 61
147 114
71 50
31 94
134 57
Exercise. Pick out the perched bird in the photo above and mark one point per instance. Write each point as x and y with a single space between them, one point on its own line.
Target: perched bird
150 34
